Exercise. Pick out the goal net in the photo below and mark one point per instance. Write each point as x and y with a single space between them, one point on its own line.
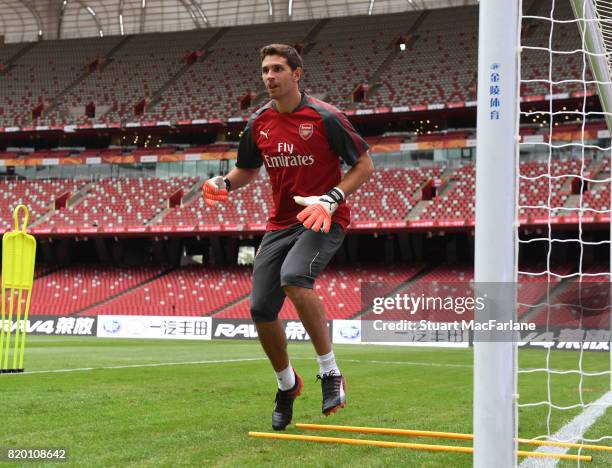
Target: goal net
560 104
564 194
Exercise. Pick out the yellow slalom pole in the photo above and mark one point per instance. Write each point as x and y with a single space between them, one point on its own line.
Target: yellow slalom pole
25 325
7 344
17 332
18 258
407 445
443 435
2 328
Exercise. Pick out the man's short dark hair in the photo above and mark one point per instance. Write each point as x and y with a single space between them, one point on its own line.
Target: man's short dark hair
293 58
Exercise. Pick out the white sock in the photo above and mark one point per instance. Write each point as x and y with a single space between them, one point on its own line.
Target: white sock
286 378
327 363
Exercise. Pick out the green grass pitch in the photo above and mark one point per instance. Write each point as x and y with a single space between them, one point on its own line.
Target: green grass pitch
110 404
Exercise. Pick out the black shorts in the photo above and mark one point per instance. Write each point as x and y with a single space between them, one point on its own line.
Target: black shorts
291 256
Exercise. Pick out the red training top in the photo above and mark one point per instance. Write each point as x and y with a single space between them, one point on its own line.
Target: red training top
301 151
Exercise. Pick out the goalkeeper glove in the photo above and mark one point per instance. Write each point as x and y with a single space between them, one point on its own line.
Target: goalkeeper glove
319 209
215 190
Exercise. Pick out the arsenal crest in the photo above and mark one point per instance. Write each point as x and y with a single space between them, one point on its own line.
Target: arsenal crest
306 130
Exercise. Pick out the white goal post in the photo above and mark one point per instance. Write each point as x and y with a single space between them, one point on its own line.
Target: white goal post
495 363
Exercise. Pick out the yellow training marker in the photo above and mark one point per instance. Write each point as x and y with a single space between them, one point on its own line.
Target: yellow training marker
442 435
18 257
406 445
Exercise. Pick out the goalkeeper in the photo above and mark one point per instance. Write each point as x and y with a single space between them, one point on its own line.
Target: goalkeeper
300 140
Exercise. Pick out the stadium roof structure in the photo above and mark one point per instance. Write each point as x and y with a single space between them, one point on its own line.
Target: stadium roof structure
29 20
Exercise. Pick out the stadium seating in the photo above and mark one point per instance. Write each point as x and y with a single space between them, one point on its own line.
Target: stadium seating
339 288
120 202
247 205
597 197
455 281
457 198
40 75
536 284
539 186
38 195
137 71
68 290
390 194
340 54
425 73
347 52
7 51
458 201
198 290
435 282
581 302
541 64
212 88
193 290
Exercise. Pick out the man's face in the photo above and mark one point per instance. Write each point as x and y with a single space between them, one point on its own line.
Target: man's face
278 77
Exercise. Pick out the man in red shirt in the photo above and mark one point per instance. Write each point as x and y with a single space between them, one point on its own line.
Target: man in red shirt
300 140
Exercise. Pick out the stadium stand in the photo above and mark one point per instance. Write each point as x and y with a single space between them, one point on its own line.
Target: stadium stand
579 302
339 287
597 197
206 74
120 202
424 73
540 64
457 202
212 88
40 75
39 195
136 72
390 194
534 289
348 51
248 205
8 51
68 290
437 281
536 191
197 290
194 290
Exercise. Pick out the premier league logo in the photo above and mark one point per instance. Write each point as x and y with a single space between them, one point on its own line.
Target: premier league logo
306 130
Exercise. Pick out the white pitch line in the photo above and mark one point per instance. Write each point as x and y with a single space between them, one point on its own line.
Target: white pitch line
409 363
131 366
222 361
414 363
573 431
